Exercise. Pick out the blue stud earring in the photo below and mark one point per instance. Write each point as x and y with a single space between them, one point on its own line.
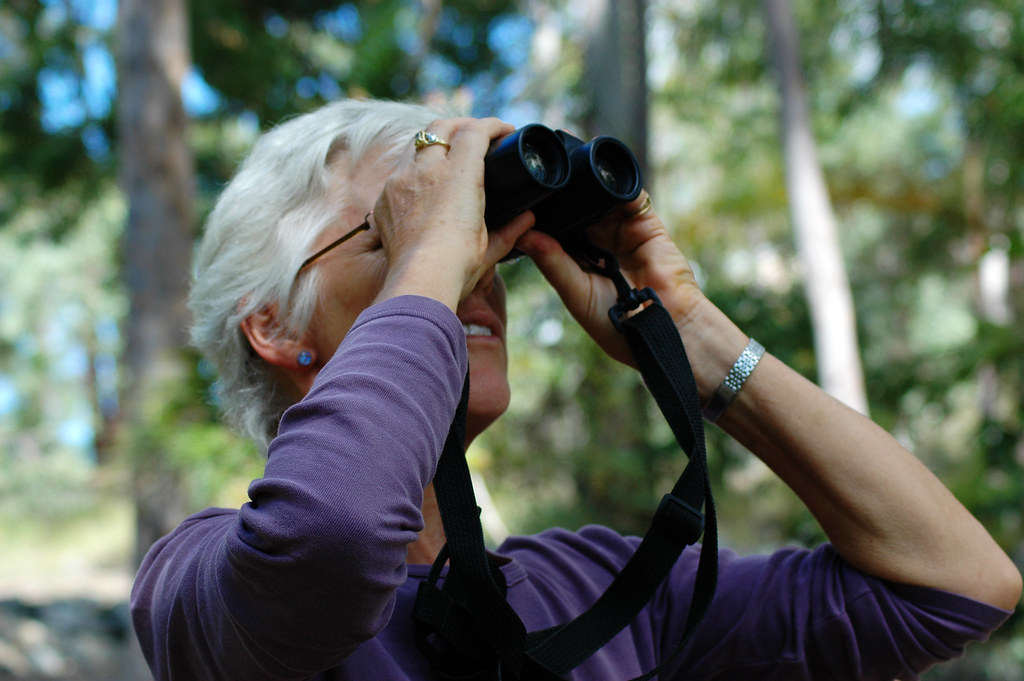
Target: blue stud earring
305 358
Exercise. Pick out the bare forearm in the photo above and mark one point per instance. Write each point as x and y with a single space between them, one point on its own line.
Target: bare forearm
882 509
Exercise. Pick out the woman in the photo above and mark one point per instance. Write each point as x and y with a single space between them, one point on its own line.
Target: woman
363 348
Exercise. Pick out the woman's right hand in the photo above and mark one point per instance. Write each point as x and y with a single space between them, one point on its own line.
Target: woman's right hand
430 214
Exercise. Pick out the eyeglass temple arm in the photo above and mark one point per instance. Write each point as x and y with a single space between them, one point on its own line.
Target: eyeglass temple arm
362 227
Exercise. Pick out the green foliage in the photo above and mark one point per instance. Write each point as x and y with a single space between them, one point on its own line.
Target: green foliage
275 58
58 339
51 486
181 422
42 149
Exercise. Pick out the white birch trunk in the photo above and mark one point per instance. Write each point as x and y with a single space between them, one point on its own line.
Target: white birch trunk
817 236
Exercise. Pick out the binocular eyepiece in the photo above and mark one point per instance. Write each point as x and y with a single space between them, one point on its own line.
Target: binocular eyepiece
569 184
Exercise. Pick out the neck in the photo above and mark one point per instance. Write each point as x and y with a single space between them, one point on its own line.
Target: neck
431 539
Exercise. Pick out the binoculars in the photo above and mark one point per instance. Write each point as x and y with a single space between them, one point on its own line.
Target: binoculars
569 184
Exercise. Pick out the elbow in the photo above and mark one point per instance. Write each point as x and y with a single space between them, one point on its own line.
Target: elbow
1007 585
994 579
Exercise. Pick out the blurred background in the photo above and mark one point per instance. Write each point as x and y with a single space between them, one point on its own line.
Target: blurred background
847 177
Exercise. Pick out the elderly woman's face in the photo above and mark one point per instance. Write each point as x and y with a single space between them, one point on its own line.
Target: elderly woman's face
353 274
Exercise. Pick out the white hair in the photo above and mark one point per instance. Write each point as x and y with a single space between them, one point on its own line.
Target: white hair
263 226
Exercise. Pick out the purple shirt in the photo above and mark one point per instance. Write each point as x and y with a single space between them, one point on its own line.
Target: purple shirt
309 579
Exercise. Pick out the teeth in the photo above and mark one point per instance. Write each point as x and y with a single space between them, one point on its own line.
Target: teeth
476 330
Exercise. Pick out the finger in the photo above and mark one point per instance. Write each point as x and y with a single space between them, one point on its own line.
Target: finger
627 229
587 297
425 140
501 241
554 263
638 207
433 141
473 137
459 138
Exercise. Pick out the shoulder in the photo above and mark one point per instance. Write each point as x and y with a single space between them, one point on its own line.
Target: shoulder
592 556
593 543
189 537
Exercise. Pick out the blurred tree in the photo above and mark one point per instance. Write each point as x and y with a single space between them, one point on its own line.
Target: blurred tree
273 58
53 137
976 51
158 178
616 70
59 214
814 221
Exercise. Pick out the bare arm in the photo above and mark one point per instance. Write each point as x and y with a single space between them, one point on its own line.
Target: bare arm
884 511
881 508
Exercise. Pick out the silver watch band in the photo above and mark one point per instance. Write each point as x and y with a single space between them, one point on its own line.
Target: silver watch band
734 380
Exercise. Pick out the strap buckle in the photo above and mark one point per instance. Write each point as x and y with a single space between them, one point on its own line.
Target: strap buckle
628 302
677 517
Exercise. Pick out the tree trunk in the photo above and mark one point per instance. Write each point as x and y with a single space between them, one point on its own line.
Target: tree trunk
817 238
616 66
158 178
991 278
616 77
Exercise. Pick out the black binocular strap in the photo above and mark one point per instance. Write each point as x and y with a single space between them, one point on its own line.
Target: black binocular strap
478 635
473 584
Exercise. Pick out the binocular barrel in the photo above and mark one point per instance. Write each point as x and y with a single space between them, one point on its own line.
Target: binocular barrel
569 184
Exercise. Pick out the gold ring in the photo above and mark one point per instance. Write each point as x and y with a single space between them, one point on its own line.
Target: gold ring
644 208
426 139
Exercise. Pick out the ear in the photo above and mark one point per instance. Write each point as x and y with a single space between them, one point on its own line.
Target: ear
262 330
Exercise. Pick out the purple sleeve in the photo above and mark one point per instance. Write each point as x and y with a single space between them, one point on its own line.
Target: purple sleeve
797 614
305 572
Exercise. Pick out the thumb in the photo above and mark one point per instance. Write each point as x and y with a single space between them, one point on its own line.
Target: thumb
586 296
501 241
573 285
554 263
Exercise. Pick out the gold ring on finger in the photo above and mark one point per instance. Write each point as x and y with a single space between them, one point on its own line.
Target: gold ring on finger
644 208
426 139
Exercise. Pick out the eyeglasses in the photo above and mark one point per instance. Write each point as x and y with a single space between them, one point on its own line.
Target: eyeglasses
337 242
